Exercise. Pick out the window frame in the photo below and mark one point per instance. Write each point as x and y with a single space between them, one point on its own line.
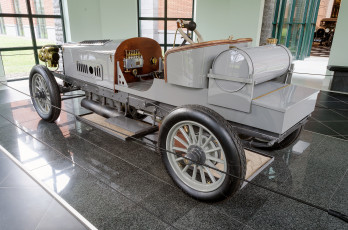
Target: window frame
30 16
165 19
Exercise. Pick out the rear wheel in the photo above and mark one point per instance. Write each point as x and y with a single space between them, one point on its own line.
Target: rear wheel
45 93
204 137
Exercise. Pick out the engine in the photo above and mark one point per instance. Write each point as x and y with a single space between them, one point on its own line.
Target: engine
110 62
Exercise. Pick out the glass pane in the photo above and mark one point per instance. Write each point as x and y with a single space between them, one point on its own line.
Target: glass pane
17 64
48 7
152 29
13 6
179 8
279 10
17 33
151 8
287 13
284 34
48 31
295 38
171 29
299 11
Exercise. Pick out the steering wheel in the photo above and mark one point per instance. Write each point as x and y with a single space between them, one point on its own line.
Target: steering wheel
189 25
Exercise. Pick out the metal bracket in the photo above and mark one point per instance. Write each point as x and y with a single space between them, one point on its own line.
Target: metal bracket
120 78
230 78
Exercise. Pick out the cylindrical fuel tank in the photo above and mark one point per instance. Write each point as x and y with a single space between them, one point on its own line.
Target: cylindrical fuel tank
261 63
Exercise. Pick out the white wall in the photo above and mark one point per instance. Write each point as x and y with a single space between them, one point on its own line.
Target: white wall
2 74
222 18
100 19
339 49
117 19
82 19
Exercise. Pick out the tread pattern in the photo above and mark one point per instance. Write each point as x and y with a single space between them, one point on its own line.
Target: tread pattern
54 92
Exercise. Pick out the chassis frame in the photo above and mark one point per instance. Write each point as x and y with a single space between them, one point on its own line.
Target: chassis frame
158 110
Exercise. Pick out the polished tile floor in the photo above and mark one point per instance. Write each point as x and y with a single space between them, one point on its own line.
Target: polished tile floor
26 205
122 185
330 116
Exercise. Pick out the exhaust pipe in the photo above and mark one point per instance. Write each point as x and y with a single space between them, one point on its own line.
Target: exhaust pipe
102 110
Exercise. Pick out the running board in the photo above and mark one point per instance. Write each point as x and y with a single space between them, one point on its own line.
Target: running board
121 127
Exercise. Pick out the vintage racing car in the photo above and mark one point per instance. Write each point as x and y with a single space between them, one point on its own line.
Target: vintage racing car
209 99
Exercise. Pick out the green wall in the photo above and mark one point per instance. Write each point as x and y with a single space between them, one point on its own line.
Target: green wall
339 49
222 18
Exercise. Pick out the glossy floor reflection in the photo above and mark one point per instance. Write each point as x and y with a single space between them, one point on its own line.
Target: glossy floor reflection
26 205
121 185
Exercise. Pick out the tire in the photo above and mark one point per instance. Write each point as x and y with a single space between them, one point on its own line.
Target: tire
291 138
211 132
45 93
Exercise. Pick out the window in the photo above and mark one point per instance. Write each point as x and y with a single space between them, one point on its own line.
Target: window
2 24
25 26
157 19
19 22
294 24
40 22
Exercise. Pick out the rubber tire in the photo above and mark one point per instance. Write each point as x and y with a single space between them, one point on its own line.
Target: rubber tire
232 146
53 90
291 138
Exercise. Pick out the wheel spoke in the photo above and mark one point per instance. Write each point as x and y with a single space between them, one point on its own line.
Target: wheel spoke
213 150
194 174
213 166
210 174
200 131
181 141
180 149
207 175
207 141
201 170
40 81
179 159
185 135
192 134
185 169
215 159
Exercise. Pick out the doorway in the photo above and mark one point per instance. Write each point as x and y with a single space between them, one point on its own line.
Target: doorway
325 27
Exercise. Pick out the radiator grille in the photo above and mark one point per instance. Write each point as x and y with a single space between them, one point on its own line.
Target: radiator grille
89 70
94 42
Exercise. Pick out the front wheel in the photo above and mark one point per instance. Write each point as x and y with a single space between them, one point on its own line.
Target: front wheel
204 138
45 93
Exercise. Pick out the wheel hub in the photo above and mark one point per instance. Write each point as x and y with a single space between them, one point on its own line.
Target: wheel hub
195 154
41 94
